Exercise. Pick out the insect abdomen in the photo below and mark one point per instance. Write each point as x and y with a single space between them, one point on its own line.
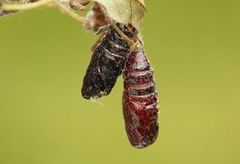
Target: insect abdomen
107 63
140 101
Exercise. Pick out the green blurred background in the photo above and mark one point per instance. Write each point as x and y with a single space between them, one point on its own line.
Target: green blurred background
194 48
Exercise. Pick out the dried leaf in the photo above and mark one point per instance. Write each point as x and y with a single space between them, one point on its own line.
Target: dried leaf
125 11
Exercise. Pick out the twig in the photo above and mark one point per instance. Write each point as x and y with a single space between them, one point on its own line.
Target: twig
70 12
27 6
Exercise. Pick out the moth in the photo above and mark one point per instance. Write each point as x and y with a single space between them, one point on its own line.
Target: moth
140 101
107 62
110 54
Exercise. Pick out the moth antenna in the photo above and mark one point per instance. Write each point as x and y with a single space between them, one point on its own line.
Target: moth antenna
102 29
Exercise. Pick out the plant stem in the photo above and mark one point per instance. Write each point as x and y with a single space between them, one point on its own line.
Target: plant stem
27 6
70 12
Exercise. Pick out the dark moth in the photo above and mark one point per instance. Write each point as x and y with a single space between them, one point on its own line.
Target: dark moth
108 60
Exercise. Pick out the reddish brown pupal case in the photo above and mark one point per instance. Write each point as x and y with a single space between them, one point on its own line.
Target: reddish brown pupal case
140 101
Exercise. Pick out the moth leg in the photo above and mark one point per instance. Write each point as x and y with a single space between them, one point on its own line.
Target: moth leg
102 29
133 43
98 41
